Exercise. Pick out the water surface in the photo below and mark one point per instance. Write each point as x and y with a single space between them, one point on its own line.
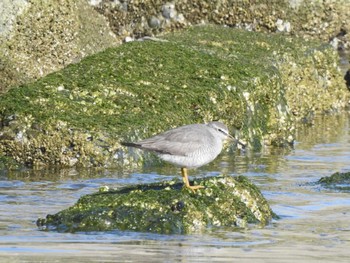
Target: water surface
314 224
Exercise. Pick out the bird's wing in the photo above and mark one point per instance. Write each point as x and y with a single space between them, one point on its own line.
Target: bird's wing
180 141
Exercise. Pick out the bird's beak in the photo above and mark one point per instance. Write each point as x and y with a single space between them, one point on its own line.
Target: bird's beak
237 141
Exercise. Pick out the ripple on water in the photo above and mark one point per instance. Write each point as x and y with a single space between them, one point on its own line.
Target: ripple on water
314 224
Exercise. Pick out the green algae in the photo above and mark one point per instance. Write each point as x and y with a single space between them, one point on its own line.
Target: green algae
44 36
165 208
252 81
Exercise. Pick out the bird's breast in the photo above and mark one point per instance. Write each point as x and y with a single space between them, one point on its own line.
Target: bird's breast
193 159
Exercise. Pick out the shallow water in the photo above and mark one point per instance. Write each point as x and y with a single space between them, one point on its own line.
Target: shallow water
314 224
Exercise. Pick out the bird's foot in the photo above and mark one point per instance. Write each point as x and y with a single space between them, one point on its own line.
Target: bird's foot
194 187
187 182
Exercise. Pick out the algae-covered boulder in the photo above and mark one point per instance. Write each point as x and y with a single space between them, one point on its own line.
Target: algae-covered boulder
337 181
257 82
41 36
165 208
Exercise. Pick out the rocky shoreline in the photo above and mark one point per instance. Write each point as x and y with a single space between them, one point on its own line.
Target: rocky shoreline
40 37
71 92
259 83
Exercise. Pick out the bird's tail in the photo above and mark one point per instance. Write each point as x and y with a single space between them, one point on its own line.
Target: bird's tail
131 144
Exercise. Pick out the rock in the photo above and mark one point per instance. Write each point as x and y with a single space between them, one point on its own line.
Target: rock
310 19
337 181
39 37
283 26
169 10
154 22
260 83
128 39
166 208
95 2
9 11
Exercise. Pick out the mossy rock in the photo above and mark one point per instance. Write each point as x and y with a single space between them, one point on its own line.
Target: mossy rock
337 181
166 208
257 82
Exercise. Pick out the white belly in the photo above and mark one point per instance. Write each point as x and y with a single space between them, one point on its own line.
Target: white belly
194 159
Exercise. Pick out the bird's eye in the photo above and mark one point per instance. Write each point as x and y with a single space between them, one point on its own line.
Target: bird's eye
220 130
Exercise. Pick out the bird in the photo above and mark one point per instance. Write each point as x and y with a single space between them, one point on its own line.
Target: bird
188 146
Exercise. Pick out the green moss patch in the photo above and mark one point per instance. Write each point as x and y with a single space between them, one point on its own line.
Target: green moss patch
259 83
165 208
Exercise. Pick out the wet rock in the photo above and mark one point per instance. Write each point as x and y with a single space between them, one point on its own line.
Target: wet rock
337 181
261 83
39 37
166 208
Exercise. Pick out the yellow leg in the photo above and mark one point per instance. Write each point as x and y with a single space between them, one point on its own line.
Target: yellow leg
187 183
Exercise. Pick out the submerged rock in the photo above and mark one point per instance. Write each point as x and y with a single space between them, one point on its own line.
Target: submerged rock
165 208
337 181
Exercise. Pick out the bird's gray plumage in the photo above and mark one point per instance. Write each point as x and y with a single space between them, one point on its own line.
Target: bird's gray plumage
187 146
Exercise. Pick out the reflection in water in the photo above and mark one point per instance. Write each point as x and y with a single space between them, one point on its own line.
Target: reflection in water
314 224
